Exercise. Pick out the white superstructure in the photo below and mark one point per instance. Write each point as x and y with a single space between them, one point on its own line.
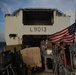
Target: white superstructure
33 22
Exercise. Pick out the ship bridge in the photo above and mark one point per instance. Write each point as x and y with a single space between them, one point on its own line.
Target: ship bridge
31 25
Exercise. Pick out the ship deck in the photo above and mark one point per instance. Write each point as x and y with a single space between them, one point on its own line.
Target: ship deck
44 73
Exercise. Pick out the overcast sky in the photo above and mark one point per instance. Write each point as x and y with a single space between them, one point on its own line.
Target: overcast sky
8 6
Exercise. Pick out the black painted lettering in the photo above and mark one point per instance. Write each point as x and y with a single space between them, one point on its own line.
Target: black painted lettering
44 29
39 29
35 29
31 30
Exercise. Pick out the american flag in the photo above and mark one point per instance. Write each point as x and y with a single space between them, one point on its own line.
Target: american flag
66 35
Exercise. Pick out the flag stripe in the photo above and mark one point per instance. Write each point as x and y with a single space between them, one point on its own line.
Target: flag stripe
66 35
59 33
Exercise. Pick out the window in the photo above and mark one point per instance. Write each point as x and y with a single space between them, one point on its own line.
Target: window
38 17
12 35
